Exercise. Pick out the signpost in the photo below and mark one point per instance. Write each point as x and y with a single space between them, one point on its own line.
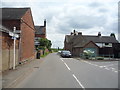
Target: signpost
14 48
14 36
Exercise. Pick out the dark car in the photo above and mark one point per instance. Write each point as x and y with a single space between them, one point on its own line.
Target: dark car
65 53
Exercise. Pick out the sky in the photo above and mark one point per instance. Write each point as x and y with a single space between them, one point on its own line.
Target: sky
63 16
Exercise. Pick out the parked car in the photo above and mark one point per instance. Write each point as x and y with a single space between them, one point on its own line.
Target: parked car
59 52
66 53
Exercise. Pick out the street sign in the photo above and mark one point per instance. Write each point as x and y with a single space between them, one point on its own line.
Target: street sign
14 38
18 31
13 35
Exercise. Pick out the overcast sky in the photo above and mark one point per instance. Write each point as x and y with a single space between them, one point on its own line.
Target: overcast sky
63 16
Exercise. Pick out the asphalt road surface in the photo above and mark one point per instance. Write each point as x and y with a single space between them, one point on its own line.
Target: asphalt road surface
58 72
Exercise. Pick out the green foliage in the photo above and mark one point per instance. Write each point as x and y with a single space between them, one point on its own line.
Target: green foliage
45 54
100 58
55 49
44 43
88 53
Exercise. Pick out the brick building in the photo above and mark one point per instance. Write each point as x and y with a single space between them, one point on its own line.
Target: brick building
22 19
7 49
40 32
100 45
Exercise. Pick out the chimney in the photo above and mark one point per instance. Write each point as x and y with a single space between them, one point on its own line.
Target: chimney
112 35
74 32
71 33
45 23
99 33
79 33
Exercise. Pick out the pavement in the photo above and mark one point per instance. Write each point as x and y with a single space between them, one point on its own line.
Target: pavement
11 78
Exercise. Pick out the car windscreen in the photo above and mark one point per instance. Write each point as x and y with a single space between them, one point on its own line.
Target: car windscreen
66 52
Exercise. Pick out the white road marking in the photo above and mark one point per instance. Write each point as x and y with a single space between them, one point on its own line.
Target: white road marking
78 82
62 60
66 58
96 65
73 74
105 67
113 68
67 66
101 66
110 65
116 71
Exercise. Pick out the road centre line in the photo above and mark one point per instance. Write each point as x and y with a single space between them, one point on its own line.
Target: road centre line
73 75
78 82
67 66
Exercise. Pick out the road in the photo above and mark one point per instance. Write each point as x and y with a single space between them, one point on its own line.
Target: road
57 72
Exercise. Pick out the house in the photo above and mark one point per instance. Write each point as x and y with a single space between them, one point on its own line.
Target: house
22 19
100 45
40 33
7 49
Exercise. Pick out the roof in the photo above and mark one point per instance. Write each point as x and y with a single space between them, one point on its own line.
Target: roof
69 38
13 13
40 30
101 39
81 40
4 29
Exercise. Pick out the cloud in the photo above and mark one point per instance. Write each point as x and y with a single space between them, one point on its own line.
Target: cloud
63 16
95 4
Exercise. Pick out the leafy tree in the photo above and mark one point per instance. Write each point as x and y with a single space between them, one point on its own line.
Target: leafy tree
44 43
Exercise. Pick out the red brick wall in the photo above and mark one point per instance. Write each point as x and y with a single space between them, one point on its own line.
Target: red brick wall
27 36
41 36
7 51
7 42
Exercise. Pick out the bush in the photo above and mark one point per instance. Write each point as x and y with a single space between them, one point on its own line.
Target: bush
100 58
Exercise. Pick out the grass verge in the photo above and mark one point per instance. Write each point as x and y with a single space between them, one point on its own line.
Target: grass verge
45 54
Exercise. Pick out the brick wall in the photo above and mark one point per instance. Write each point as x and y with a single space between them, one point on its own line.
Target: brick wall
7 52
77 51
27 37
26 43
41 36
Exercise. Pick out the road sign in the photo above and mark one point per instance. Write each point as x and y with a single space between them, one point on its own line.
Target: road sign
13 35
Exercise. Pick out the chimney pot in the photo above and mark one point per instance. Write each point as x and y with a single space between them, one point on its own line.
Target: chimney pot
79 33
99 33
44 22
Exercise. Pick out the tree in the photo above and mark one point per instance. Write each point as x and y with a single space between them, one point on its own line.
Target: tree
44 43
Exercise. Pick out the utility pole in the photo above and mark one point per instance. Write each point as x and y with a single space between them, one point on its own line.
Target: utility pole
14 48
